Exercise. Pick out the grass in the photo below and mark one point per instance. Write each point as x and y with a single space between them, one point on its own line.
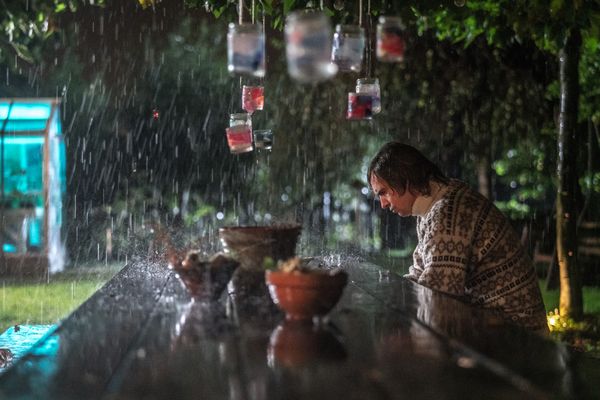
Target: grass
591 299
35 302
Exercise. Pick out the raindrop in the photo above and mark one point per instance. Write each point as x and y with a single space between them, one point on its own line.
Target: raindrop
339 5
459 3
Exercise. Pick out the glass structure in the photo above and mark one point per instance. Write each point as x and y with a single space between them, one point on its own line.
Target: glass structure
32 185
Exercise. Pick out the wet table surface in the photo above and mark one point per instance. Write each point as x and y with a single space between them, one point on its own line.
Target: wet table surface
141 336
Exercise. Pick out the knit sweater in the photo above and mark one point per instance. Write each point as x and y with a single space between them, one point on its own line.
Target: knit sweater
468 248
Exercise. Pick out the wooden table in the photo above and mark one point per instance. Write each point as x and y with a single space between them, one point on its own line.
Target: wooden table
140 337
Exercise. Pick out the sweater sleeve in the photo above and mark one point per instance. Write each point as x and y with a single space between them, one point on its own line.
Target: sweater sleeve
444 258
416 269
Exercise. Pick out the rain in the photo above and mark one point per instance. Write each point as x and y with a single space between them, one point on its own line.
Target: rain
146 97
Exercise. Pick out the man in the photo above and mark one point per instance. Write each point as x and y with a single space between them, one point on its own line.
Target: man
466 246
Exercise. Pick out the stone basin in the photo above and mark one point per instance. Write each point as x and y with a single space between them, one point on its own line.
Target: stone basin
253 245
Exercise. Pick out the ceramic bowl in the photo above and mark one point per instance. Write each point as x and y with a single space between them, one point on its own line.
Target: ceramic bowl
206 278
251 245
304 295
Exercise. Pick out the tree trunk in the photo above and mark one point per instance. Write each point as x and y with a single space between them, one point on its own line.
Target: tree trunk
571 301
484 168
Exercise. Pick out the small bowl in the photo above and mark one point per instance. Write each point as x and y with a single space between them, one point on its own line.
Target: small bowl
206 278
251 245
304 295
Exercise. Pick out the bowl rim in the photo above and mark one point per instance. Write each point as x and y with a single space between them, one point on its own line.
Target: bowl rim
261 228
306 280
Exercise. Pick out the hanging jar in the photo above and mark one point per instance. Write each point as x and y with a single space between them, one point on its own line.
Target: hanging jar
390 39
253 98
246 49
348 47
239 133
308 46
360 106
370 87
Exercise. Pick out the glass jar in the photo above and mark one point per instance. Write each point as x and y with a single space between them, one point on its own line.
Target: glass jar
360 106
348 47
370 86
239 133
239 139
308 46
246 49
253 98
240 119
390 39
263 139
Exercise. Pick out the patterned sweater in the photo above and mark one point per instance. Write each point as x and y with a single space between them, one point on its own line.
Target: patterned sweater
468 248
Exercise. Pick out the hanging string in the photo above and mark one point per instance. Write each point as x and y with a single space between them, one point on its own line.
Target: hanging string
360 6
240 21
264 31
369 31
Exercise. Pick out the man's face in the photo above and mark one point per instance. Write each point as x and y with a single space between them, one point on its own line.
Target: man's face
400 204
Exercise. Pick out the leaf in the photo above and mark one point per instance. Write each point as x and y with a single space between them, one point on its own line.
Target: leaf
287 6
217 12
23 52
60 7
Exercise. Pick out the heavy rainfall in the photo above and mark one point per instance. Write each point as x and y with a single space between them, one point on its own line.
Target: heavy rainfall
145 98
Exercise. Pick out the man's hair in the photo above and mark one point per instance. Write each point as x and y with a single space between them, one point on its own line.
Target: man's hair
402 166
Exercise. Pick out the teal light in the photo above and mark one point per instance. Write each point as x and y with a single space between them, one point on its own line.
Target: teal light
24 140
26 111
9 248
26 126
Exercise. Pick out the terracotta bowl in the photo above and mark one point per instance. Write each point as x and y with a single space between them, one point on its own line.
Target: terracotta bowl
207 279
250 245
303 295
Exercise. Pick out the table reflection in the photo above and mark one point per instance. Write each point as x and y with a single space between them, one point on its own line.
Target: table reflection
294 344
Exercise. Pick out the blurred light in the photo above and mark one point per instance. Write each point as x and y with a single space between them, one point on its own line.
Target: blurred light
26 111
220 215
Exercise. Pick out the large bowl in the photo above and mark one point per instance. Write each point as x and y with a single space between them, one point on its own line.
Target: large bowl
304 295
251 245
207 279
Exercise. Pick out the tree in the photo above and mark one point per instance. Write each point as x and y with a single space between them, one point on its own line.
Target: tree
557 28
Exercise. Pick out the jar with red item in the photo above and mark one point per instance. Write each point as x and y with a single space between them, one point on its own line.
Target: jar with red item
360 106
253 98
390 39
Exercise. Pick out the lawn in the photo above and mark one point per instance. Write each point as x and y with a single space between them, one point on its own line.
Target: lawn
591 299
34 302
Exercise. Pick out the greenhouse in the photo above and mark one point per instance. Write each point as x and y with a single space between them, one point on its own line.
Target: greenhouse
32 159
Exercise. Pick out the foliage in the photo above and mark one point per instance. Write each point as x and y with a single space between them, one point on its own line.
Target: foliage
26 25
524 169
581 335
